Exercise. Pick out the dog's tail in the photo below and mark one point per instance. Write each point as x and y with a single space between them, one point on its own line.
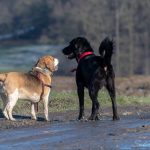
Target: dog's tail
106 50
3 77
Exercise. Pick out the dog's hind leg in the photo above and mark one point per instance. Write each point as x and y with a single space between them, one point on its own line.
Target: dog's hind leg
80 91
9 107
4 99
5 113
12 99
110 86
33 114
93 92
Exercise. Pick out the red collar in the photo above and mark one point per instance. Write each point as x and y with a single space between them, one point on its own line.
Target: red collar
85 54
82 56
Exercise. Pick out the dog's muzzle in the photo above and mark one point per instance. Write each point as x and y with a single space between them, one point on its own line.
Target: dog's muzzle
70 56
56 62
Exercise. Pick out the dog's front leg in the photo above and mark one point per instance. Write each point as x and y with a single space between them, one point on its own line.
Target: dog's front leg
80 90
45 102
33 114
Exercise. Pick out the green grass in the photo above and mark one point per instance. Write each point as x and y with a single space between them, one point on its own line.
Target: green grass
68 100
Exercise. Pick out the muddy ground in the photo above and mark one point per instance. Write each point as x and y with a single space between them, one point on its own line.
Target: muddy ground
63 131
133 112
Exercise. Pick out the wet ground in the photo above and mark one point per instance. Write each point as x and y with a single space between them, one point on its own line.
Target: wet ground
132 131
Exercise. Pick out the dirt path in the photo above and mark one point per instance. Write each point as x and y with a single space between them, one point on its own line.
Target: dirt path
65 133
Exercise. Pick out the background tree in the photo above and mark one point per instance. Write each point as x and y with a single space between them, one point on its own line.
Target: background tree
58 21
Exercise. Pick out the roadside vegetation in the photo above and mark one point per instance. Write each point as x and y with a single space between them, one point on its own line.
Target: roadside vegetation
131 91
68 100
58 21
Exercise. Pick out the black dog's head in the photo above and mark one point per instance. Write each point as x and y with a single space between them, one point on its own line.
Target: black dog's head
76 47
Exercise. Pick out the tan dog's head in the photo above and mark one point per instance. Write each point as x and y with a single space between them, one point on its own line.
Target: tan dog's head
48 63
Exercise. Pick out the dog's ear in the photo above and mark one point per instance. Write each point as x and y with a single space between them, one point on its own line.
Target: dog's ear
46 62
83 45
49 63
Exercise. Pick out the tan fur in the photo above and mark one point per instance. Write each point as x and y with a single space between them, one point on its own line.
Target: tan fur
15 85
46 62
3 77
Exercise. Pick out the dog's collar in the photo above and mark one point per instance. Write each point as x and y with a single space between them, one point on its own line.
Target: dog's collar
82 56
37 75
85 54
45 70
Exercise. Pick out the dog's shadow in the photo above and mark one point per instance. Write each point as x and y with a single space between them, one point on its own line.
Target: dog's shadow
19 117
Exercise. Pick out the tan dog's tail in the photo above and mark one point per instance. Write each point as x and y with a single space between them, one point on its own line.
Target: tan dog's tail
3 77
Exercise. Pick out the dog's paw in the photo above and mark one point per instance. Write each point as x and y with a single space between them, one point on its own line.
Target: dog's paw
81 118
47 120
93 117
13 119
34 118
115 118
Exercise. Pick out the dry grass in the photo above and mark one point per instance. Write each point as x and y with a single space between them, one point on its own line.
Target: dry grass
64 97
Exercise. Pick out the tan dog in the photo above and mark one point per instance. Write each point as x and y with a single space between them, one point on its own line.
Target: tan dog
27 86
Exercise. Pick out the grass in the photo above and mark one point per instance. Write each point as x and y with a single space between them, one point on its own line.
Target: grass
68 100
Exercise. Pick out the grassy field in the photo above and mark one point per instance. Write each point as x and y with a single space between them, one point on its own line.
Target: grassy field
130 91
68 100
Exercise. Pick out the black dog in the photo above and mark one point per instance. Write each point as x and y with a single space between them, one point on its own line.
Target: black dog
93 72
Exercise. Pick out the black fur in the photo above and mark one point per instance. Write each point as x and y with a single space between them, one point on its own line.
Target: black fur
93 72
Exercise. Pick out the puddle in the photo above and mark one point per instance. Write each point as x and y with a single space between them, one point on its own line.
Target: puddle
103 134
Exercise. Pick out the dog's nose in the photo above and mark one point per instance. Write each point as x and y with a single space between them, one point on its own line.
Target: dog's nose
56 62
63 50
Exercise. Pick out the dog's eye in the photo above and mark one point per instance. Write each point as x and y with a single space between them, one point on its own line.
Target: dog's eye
75 45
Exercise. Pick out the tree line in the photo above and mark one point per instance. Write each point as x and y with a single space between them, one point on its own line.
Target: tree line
58 21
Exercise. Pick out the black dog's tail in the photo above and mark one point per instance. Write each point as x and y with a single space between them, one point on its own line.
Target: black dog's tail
106 50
